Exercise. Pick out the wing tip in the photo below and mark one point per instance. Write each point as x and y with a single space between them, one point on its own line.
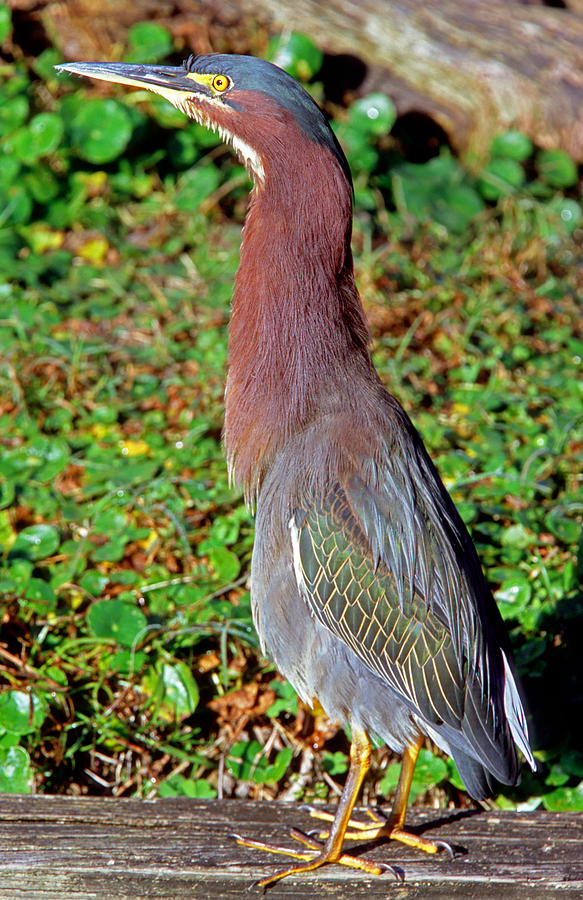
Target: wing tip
516 716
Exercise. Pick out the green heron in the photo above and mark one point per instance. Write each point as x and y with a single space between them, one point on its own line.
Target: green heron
366 588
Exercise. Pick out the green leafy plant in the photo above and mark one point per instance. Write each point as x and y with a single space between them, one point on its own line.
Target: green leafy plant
248 763
429 771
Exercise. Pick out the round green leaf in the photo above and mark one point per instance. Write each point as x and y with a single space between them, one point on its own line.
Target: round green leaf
182 149
564 799
5 23
457 206
529 651
390 779
335 763
180 689
40 137
9 169
179 786
569 213
225 564
565 528
45 62
49 457
201 790
572 762
15 771
16 204
148 42
70 106
100 131
93 581
243 757
355 143
13 113
168 116
42 184
18 145
196 185
110 521
115 620
556 168
246 761
297 54
21 712
453 775
36 542
287 699
430 769
18 574
500 177
42 459
111 551
516 536
46 131
513 595
557 776
41 594
271 773
374 114
511 145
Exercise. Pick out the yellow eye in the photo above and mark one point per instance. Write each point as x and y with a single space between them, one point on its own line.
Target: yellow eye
220 83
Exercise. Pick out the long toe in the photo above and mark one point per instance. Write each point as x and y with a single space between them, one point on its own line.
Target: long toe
415 840
313 858
358 830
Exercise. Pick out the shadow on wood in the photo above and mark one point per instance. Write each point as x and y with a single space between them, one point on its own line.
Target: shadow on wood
179 848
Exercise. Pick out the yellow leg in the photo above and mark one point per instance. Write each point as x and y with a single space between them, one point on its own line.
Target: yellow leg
331 852
392 828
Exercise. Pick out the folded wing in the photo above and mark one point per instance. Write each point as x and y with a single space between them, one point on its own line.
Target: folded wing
393 573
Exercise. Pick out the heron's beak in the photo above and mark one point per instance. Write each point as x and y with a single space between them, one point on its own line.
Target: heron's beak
190 92
169 81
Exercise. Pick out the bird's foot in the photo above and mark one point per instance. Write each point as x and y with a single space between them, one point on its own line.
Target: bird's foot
381 827
313 857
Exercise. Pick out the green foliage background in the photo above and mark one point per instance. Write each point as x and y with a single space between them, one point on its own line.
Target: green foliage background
128 659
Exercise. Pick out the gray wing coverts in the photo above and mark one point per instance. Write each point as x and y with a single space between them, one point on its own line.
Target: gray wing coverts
390 569
375 603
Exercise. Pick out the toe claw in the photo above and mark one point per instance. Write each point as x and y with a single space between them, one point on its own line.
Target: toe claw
397 871
443 845
399 874
306 838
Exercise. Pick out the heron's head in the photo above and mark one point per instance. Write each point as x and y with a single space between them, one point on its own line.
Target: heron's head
259 109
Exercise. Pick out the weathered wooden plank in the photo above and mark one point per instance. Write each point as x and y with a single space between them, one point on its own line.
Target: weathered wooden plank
176 848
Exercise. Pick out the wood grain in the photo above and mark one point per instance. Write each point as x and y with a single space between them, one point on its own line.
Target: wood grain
178 848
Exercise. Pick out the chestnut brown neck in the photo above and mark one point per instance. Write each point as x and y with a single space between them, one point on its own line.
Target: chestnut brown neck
298 338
